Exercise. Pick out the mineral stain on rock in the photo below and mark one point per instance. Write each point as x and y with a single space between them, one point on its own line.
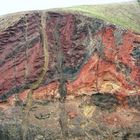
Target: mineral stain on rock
66 75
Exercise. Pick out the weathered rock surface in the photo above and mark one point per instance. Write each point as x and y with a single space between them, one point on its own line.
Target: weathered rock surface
68 76
96 56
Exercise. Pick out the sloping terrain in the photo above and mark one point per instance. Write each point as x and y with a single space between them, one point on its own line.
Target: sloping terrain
70 74
124 14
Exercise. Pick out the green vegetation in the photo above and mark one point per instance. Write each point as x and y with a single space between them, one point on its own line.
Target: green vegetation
126 15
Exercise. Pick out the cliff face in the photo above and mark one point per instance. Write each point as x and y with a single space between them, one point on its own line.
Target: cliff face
61 55
90 55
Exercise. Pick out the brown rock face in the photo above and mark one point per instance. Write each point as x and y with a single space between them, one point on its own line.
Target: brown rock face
69 56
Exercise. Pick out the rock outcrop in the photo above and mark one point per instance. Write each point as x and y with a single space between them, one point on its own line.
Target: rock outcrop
91 55
84 64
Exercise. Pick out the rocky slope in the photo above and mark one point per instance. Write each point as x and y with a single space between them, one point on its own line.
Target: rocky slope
85 55
84 69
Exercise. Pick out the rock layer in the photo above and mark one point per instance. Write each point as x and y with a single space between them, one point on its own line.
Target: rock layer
86 71
95 56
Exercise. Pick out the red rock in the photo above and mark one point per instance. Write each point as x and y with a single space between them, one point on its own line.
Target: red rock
72 115
101 59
